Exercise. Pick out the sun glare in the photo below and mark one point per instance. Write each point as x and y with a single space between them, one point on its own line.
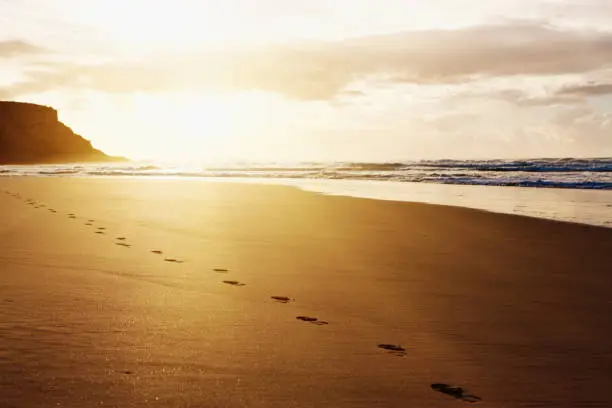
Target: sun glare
186 125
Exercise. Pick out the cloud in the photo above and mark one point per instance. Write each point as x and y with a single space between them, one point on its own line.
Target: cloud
565 131
322 70
523 99
587 90
587 130
16 47
452 55
592 13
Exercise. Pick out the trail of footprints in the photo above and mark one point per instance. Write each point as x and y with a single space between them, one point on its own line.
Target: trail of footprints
454 391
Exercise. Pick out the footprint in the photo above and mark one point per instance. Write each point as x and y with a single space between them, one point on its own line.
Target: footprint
99 232
123 244
121 238
173 260
101 228
233 283
89 224
221 270
393 349
281 299
156 251
91 220
312 320
455 391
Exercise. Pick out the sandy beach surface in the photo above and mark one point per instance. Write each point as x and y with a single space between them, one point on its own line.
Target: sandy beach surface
515 310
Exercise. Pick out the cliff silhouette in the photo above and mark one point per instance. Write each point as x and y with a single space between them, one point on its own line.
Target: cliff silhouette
31 134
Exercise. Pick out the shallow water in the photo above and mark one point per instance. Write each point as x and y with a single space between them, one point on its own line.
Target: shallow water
592 207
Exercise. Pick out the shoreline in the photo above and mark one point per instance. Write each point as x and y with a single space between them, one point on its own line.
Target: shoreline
579 206
426 194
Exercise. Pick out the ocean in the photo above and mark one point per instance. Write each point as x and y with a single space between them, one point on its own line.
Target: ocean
568 189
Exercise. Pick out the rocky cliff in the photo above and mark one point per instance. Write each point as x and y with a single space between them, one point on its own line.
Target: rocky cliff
32 133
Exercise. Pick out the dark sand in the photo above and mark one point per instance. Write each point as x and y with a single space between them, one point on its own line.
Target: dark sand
514 310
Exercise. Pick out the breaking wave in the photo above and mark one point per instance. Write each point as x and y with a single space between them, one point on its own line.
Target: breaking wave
571 173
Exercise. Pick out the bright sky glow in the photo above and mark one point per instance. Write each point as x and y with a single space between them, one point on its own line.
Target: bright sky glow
318 80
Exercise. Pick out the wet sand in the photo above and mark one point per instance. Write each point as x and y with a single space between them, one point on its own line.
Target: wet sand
183 293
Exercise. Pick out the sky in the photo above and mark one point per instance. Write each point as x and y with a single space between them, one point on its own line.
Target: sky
341 80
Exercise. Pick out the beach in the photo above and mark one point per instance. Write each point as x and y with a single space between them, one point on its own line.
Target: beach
515 310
